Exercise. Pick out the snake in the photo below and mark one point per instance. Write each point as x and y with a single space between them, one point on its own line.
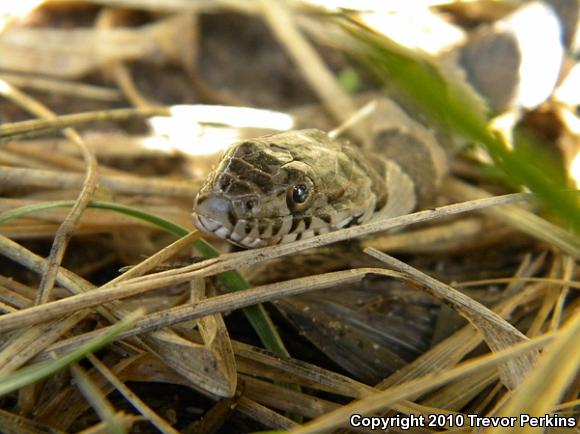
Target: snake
297 184
294 185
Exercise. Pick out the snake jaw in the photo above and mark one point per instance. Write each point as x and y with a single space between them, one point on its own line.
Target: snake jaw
210 216
207 224
217 215
246 233
234 235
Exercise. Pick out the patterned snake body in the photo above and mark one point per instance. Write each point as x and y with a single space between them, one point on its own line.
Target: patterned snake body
295 185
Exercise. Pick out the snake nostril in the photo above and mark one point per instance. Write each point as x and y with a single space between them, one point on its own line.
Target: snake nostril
215 207
232 218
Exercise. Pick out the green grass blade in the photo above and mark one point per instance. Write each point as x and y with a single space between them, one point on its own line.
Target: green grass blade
458 110
32 374
232 280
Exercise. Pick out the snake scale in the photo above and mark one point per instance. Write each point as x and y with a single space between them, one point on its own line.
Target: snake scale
294 185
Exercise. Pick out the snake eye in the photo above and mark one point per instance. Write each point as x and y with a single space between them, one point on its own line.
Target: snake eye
300 193
299 197
250 204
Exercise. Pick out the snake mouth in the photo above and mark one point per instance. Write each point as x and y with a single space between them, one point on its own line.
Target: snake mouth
246 233
232 234
212 226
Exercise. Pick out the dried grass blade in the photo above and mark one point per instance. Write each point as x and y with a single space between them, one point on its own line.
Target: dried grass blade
125 420
32 374
556 369
37 127
202 365
13 423
385 399
97 399
258 362
69 53
458 345
519 218
89 184
285 399
25 344
153 417
264 415
315 72
498 333
257 315
25 177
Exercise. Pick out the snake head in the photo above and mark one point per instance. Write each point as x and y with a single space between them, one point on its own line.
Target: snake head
280 188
